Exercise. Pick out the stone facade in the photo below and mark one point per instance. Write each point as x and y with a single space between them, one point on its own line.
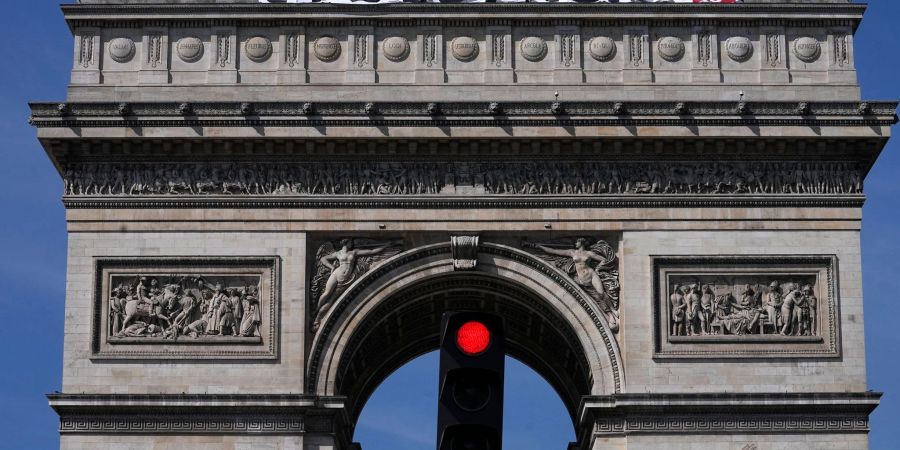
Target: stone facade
270 206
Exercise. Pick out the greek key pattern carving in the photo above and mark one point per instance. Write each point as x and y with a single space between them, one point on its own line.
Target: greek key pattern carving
181 424
732 423
444 178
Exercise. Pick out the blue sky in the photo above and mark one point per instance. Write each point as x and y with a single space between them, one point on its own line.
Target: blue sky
400 415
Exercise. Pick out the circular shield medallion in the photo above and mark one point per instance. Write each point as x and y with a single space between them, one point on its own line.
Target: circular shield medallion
602 48
189 49
533 48
807 49
464 48
671 48
121 49
327 48
396 48
258 48
739 48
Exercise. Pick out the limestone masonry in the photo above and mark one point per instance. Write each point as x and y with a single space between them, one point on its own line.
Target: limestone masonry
270 206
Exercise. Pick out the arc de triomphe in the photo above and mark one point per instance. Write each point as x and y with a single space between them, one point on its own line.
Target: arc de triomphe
270 206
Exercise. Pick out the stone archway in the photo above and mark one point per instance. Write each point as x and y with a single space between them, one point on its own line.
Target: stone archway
392 314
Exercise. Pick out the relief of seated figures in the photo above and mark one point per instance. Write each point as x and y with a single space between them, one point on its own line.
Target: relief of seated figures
192 306
785 308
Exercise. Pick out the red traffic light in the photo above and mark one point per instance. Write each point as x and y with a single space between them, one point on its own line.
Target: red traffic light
473 338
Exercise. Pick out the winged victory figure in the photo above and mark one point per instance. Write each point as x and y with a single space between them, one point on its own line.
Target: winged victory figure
340 263
592 264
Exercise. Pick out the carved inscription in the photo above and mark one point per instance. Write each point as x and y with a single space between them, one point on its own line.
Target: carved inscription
464 48
327 48
739 48
807 49
189 49
121 49
500 178
671 48
602 48
258 48
533 48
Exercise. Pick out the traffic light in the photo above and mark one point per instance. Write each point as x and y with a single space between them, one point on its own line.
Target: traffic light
470 399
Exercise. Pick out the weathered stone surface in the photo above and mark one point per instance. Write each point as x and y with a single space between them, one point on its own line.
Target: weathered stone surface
569 167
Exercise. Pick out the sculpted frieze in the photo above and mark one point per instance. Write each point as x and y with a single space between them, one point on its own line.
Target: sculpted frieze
444 178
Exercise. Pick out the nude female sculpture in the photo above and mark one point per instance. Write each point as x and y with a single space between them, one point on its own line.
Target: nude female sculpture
582 263
344 266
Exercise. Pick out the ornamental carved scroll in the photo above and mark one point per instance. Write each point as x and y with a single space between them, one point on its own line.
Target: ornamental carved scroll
592 263
189 308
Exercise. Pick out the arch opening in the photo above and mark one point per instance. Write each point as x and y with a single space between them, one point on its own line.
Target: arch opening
408 325
401 413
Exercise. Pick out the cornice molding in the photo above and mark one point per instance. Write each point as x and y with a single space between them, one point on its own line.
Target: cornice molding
568 10
462 114
620 109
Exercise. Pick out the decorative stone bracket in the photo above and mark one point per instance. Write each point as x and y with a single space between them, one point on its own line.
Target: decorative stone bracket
464 250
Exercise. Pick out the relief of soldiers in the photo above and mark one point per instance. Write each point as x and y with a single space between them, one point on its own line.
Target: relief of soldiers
714 309
421 178
184 306
678 308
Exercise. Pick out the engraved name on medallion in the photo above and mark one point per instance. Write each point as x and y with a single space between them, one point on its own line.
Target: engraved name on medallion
121 49
395 48
602 48
258 48
533 48
464 48
190 49
739 48
671 48
327 48
807 49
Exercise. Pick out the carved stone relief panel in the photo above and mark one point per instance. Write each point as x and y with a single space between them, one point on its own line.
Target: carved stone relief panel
592 263
777 306
340 263
186 308
435 178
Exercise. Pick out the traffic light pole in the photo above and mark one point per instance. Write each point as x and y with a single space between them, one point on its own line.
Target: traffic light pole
470 397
